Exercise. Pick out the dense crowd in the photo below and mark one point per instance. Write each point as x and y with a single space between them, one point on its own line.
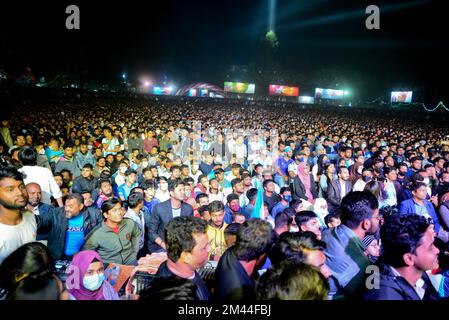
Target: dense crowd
280 202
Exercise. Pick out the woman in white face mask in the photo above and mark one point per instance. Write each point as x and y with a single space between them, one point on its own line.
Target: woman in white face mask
91 283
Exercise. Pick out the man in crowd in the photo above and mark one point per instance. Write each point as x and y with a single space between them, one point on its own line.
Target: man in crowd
17 227
345 252
188 250
409 252
164 212
68 226
240 263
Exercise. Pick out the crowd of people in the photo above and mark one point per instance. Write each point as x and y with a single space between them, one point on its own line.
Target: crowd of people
282 203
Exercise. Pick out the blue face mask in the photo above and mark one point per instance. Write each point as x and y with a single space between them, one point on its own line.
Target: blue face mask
288 198
94 282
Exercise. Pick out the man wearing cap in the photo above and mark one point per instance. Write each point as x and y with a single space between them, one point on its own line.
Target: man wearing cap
281 167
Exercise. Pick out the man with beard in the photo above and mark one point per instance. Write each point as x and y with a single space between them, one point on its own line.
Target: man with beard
344 248
17 226
105 192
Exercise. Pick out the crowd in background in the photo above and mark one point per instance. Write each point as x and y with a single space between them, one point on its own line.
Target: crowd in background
285 203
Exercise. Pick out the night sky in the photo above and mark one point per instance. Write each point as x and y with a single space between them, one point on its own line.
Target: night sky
199 41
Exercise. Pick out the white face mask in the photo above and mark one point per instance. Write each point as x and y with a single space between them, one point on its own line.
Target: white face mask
123 169
90 147
144 164
94 282
163 186
294 229
426 181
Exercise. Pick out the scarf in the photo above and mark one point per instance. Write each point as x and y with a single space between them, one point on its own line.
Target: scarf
82 260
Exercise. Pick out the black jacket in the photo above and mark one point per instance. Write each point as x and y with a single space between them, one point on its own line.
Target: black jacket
55 223
161 215
334 194
393 287
202 292
232 281
82 185
299 190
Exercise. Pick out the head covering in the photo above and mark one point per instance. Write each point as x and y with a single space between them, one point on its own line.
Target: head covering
82 260
367 241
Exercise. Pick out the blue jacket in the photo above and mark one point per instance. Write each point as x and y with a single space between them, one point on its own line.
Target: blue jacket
346 258
408 207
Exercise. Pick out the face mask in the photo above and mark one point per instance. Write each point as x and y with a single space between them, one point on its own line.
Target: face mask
164 186
446 184
90 147
367 179
426 181
195 168
288 198
93 282
42 151
123 170
187 194
144 164
363 145
359 170
235 208
158 131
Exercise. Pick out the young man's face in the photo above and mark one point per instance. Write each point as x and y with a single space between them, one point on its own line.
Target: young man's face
106 189
116 214
132 178
179 193
313 225
200 252
68 152
13 194
86 173
426 255
217 218
344 174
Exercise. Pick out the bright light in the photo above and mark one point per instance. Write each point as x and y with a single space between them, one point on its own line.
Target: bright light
346 92
146 83
124 75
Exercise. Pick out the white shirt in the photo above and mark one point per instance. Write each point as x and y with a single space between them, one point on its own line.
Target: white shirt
343 188
162 196
359 185
217 197
44 178
13 237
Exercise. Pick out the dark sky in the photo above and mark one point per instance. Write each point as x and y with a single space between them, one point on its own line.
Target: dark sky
199 40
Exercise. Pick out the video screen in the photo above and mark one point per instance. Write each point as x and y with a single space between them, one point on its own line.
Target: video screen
306 99
278 90
164 91
240 87
330 94
401 96
192 93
